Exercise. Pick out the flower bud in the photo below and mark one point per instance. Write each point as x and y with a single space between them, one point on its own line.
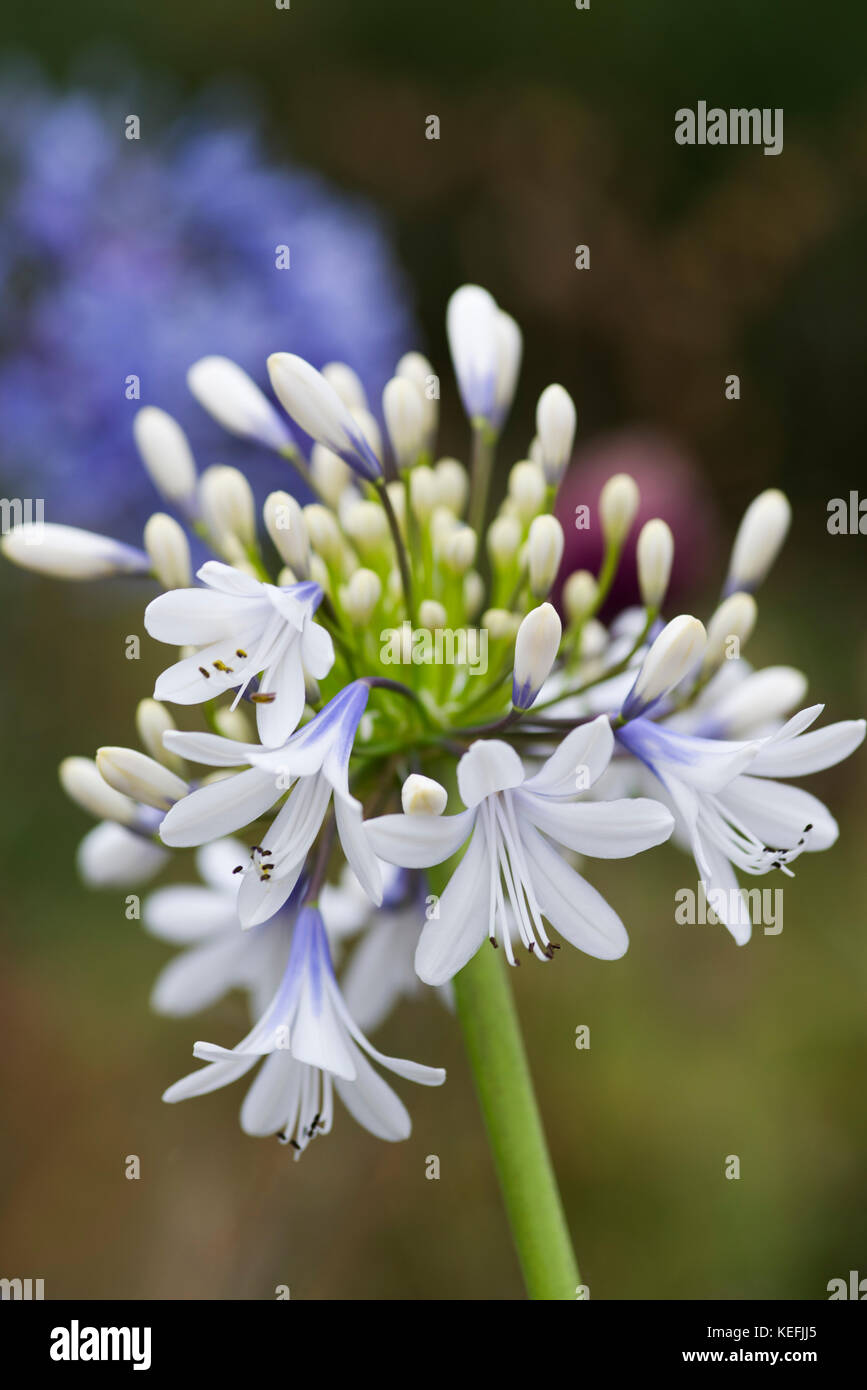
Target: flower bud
760 535
165 541
618 505
361 595
579 595
81 780
504 538
471 325
165 453
324 532
403 409
474 592
510 346
330 474
423 491
527 488
423 796
234 723
432 615
500 624
367 526
674 653
65 552
544 552
347 384
136 775
654 554
458 549
285 524
227 505
370 431
152 720
555 427
415 367
735 619
536 647
453 484
316 406
234 400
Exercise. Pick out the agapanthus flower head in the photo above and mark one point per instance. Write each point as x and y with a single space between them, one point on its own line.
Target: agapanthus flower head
391 668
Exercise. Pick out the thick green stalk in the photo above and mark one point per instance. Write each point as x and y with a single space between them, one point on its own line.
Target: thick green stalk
492 1035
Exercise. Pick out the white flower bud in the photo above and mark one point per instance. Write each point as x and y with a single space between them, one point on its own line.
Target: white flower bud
674 653
527 488
423 796
234 400
234 723
545 544
735 619
618 505
313 402
285 524
536 648
370 431
165 453
416 368
453 484
432 615
504 538
579 595
361 595
423 491
136 775
500 624
81 780
594 640
510 346
654 554
165 541
366 525
227 504
474 592
555 425
324 532
65 552
760 535
152 720
330 474
397 496
457 549
319 573
347 384
471 325
403 409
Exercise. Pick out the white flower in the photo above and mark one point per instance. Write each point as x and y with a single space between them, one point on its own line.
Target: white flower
242 628
234 400
315 405
509 825
311 1045
751 822
66 552
313 764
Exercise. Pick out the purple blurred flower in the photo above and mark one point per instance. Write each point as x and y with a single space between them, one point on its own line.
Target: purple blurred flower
124 258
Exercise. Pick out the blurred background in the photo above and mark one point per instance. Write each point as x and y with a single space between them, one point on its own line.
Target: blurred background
307 126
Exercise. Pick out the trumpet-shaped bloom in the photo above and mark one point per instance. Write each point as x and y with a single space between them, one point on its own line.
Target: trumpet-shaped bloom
508 828
311 1045
731 808
243 628
313 765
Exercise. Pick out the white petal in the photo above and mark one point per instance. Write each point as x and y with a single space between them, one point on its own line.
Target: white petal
488 766
186 912
219 808
373 1104
356 846
209 1078
778 814
272 1101
197 978
452 938
418 841
110 856
211 749
573 908
197 617
602 829
588 747
795 757
278 719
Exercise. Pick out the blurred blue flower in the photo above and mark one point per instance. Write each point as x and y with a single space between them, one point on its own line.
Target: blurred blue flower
123 258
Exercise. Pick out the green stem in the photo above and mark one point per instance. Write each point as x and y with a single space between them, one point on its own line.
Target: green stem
498 1061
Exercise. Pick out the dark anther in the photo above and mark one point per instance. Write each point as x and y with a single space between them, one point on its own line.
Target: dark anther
241 654
205 673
